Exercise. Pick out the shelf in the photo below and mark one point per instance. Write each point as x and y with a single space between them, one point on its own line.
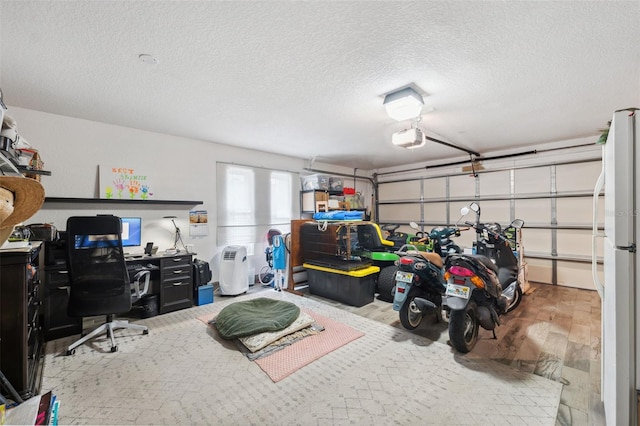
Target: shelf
69 200
29 171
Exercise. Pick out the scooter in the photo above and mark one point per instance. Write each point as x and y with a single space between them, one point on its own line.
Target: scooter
419 286
386 259
419 281
442 242
481 287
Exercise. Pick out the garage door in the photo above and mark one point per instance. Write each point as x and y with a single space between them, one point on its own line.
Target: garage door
554 200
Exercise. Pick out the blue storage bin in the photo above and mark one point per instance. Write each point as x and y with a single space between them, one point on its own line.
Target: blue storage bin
205 294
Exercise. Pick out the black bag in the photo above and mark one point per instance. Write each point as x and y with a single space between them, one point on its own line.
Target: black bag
201 273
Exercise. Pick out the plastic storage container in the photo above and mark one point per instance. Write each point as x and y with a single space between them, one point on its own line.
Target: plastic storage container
316 181
335 184
355 288
205 295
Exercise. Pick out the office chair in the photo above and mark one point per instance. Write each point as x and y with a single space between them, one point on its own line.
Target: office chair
98 276
140 285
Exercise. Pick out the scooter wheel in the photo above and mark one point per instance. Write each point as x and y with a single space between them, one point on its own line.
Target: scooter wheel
386 283
516 299
444 314
463 328
410 315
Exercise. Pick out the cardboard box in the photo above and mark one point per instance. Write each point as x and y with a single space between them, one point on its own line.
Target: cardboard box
205 295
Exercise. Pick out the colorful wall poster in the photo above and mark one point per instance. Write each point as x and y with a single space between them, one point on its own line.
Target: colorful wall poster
125 183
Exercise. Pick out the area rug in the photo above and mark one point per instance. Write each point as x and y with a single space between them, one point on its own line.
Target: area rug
284 362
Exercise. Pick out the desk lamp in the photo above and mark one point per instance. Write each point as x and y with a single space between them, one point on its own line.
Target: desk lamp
177 237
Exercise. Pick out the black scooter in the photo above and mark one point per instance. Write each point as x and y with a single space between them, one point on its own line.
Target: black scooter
481 287
419 281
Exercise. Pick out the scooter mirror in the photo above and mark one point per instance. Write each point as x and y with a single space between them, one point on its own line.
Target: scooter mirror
464 211
475 207
414 225
517 223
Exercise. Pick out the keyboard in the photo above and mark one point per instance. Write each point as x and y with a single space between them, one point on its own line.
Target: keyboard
133 256
136 267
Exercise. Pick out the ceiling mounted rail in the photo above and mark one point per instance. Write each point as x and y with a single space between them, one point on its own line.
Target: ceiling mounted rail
477 159
450 145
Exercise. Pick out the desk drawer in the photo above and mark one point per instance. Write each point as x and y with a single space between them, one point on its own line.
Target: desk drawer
178 272
56 322
56 278
176 262
176 293
176 269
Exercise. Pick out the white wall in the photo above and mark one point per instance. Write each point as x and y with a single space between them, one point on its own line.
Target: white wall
181 169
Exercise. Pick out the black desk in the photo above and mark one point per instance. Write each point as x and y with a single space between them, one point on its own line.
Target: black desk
171 280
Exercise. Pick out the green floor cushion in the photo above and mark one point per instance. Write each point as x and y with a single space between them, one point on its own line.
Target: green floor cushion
254 316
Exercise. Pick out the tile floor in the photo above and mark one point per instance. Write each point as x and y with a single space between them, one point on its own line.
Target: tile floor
554 333
183 373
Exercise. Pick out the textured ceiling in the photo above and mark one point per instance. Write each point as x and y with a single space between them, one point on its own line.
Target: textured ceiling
307 79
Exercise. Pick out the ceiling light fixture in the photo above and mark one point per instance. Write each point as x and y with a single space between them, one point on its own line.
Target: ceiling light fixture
403 104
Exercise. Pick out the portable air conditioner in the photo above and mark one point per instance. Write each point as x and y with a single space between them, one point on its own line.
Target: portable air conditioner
234 268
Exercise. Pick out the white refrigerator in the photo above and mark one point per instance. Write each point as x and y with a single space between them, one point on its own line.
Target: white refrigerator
619 292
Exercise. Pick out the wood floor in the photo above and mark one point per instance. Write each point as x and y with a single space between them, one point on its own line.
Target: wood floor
554 333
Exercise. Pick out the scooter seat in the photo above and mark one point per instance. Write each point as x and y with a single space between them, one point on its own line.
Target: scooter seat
432 257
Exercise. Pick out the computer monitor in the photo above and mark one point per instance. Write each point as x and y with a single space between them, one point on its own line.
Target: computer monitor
131 231
131 236
93 241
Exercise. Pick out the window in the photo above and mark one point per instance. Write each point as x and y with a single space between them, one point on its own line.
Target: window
239 200
281 200
252 201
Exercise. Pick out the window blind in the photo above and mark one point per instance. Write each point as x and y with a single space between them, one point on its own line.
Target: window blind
253 200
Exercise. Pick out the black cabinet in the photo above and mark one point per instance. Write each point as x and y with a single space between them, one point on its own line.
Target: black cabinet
176 283
21 339
56 322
